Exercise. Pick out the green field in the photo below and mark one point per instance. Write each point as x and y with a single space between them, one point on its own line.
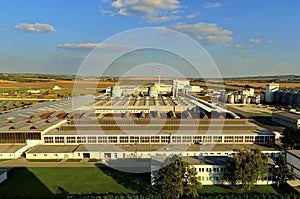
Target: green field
73 160
50 182
43 160
61 182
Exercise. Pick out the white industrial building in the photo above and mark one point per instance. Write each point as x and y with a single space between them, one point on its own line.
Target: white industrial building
293 160
211 169
287 118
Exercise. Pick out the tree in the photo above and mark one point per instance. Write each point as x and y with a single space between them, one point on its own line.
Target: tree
246 168
290 138
281 171
177 179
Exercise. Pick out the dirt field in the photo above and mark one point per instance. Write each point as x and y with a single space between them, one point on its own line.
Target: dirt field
262 85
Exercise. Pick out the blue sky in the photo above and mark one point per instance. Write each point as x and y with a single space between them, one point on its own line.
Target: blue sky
250 37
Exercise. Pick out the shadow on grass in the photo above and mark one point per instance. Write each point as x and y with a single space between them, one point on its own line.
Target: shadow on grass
137 182
22 183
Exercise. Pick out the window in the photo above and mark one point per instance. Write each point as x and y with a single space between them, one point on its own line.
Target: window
217 138
48 140
197 139
259 139
165 139
238 139
112 139
92 139
134 139
228 139
144 139
45 154
102 139
124 139
249 139
59 139
176 139
81 139
186 139
55 154
154 139
71 139
207 138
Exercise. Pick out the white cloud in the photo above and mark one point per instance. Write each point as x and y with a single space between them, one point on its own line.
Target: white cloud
213 5
37 27
89 46
193 15
143 7
255 41
206 32
238 46
158 19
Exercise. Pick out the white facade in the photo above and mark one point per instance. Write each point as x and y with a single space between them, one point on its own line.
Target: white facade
270 92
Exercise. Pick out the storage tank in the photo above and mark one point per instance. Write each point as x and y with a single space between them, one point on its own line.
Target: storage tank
249 99
231 99
237 98
153 91
116 91
244 99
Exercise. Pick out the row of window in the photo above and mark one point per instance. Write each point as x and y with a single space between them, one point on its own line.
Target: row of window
210 170
157 139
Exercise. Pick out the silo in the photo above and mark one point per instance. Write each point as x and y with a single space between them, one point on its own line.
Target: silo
244 99
116 91
249 99
231 99
153 91
237 98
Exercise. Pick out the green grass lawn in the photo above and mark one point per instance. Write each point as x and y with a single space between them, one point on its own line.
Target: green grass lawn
265 115
73 160
43 160
93 160
1 160
49 182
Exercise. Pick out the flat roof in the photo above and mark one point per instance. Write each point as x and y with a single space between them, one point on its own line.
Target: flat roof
163 132
53 149
294 152
230 147
206 160
10 148
288 114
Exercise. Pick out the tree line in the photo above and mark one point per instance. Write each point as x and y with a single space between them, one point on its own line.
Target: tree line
179 179
291 138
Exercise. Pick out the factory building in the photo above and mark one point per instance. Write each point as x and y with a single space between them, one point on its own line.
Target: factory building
287 118
211 169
